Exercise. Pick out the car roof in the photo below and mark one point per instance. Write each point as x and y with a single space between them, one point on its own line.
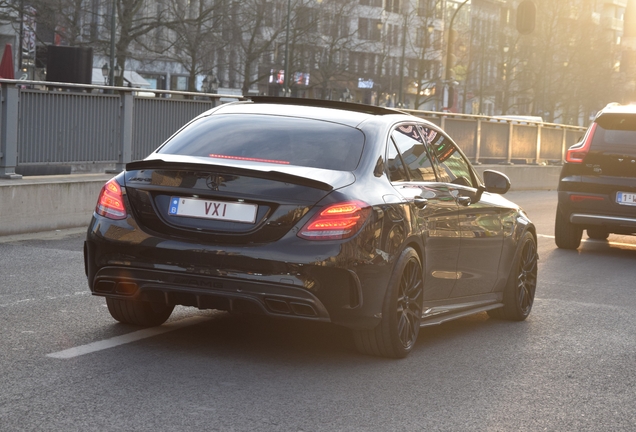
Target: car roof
615 108
346 113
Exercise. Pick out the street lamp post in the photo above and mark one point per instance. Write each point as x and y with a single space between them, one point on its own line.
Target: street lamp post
286 76
113 22
109 72
449 56
105 73
381 27
506 82
401 85
424 67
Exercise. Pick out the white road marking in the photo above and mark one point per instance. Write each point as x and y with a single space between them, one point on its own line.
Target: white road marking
629 245
127 338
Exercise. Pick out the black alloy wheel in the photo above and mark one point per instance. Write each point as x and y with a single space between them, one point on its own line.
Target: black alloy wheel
141 313
397 333
522 283
409 303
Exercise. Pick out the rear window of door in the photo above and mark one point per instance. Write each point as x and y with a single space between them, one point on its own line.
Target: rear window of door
452 165
414 153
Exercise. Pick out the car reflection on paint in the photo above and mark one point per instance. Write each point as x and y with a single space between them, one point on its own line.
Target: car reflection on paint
361 216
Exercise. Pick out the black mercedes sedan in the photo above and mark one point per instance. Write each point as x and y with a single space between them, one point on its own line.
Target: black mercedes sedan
361 216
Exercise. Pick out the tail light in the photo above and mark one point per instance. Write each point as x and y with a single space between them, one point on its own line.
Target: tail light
110 203
577 152
338 221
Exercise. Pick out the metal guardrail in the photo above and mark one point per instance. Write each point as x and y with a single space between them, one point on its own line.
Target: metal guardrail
506 140
45 123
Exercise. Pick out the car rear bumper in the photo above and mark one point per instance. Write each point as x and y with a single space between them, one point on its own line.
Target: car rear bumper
597 210
610 222
331 282
206 292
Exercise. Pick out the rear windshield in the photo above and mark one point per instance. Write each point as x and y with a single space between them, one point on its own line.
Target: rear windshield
616 132
270 139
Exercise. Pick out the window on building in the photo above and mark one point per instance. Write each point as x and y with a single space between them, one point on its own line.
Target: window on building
363 28
372 64
179 82
412 65
393 35
353 62
426 8
369 29
393 6
424 37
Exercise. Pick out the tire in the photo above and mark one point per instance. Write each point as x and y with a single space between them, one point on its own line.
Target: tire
522 283
566 234
140 313
597 233
397 332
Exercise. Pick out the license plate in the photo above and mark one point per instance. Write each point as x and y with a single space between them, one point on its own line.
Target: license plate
626 198
218 210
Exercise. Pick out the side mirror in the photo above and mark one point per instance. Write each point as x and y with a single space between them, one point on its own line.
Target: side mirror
496 182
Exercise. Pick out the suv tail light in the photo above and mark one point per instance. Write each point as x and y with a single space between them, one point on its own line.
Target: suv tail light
577 152
338 221
580 198
110 203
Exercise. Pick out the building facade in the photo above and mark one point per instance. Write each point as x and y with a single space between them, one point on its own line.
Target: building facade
455 55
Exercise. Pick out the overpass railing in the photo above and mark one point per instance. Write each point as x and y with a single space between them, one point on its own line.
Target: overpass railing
85 128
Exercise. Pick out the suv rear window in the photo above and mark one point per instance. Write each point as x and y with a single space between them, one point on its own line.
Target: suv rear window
263 138
616 132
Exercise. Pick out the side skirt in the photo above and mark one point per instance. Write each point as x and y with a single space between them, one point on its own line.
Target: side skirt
443 315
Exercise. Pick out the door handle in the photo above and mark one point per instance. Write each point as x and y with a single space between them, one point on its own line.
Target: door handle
464 200
420 202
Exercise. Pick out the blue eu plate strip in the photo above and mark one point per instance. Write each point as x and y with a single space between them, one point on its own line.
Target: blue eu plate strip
174 206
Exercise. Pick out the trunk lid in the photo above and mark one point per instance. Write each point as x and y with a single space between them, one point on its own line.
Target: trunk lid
236 202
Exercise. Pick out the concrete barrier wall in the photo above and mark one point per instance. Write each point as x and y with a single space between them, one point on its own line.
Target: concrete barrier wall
47 203
35 204
527 177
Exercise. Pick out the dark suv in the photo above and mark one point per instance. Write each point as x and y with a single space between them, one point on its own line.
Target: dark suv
597 186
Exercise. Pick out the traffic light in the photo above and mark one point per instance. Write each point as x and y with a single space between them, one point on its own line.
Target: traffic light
526 17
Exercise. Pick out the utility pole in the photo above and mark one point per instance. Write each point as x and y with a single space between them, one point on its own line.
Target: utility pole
286 77
113 34
401 86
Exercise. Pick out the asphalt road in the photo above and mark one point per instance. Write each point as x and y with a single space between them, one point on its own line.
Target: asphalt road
65 365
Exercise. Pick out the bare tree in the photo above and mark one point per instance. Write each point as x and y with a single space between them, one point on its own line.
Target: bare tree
253 28
567 66
191 37
429 50
326 49
257 26
71 21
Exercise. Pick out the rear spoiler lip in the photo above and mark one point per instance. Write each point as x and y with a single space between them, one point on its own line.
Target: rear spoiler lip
226 169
